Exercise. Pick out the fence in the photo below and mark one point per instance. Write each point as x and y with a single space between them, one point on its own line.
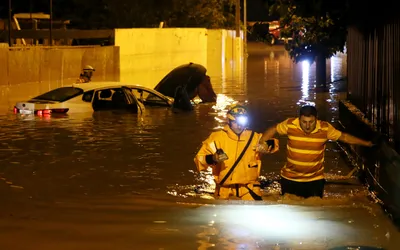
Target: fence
374 77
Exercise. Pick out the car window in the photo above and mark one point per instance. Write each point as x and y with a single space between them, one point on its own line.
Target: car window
87 96
60 94
108 99
130 97
149 98
109 94
136 93
115 99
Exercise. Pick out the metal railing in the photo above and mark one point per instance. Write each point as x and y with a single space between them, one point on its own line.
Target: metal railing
374 77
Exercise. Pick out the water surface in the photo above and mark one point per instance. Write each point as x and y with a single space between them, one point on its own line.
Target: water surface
119 181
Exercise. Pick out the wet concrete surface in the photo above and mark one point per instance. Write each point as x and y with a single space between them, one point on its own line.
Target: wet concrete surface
117 181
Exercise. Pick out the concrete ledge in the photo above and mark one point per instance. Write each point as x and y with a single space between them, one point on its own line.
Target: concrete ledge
380 165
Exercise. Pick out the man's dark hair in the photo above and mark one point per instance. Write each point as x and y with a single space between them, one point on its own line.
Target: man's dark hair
308 110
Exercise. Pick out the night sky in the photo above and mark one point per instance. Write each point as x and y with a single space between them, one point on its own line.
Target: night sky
256 10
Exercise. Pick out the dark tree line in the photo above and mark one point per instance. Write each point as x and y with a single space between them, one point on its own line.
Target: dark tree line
104 14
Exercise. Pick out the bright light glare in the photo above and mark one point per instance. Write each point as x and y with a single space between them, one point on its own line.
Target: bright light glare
242 120
305 64
277 223
221 108
223 102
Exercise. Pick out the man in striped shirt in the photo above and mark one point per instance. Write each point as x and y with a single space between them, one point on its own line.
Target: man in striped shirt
303 173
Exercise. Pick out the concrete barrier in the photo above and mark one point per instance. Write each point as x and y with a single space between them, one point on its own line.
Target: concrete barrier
56 65
380 165
147 55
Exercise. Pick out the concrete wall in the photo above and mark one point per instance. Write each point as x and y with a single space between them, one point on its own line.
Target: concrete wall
147 55
58 64
27 72
225 60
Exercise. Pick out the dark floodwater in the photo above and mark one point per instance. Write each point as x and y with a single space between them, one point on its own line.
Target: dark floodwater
118 181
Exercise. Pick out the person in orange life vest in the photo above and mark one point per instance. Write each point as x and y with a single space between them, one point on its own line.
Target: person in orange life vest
86 75
303 173
233 154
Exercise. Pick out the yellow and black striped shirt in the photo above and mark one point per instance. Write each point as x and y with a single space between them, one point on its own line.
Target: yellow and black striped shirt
305 152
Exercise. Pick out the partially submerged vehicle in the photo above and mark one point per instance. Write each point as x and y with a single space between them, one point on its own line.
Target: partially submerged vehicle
179 88
186 82
76 98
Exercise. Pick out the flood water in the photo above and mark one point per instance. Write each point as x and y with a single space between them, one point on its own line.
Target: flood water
118 181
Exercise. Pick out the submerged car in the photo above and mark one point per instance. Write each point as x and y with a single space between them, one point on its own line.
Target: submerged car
193 77
95 96
84 97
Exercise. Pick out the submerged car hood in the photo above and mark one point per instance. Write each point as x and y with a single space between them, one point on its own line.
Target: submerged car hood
191 74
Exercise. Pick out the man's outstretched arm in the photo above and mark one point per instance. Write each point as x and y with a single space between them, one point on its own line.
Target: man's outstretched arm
347 138
280 128
268 134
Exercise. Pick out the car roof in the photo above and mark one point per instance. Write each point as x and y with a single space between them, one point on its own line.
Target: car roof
141 87
145 88
97 85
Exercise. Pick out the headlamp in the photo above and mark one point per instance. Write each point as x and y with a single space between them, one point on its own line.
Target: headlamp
242 120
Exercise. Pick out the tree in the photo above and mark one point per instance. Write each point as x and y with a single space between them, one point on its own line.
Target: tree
135 14
149 13
318 29
202 13
103 14
83 14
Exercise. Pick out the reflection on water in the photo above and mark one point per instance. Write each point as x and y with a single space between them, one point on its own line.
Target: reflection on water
135 175
281 227
305 85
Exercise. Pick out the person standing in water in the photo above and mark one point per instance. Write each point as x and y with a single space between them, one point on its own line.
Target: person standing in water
234 157
303 173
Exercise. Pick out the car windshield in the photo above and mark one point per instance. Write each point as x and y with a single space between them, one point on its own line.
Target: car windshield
60 94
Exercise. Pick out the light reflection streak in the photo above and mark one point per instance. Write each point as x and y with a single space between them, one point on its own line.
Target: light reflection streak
221 107
305 83
223 102
336 63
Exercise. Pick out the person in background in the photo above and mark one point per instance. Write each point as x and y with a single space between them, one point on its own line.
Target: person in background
86 75
303 173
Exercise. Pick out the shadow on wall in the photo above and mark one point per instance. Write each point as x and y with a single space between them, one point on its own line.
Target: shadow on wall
57 64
